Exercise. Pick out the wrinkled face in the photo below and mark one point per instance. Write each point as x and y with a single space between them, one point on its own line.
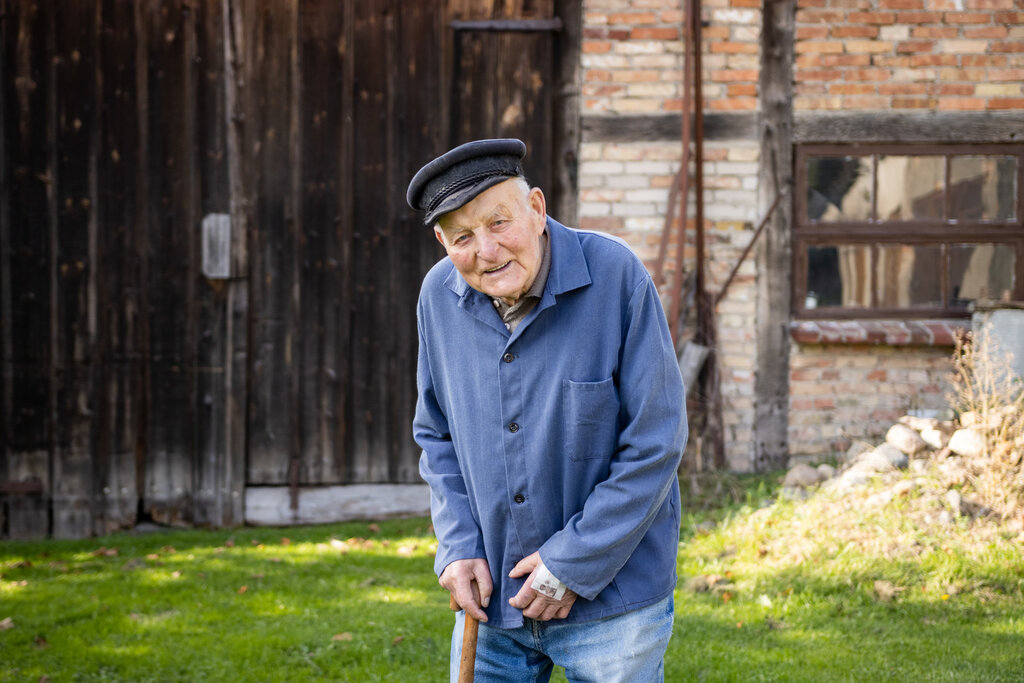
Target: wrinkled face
494 240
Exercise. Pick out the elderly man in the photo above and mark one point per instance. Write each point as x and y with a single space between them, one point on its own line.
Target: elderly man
551 418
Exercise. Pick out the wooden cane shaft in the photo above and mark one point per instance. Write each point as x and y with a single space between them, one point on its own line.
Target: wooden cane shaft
470 630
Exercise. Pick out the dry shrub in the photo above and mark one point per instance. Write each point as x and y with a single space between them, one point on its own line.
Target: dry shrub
990 398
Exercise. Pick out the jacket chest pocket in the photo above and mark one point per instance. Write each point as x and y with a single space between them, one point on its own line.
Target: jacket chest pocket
591 418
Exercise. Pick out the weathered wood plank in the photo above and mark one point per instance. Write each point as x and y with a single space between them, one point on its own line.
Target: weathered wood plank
236 367
118 389
272 406
219 466
29 247
771 382
75 102
418 124
321 51
371 111
885 126
169 275
655 127
338 352
5 266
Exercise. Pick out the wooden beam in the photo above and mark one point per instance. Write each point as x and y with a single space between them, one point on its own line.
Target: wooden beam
566 106
771 380
887 126
659 127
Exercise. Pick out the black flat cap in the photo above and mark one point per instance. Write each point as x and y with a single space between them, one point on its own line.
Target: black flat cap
452 180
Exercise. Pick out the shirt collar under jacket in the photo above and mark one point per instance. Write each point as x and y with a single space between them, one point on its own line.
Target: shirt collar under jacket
517 312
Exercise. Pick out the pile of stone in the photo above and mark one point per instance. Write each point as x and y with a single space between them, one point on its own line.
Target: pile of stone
910 446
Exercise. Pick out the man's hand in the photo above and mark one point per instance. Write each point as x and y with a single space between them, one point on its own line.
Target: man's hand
469 582
534 604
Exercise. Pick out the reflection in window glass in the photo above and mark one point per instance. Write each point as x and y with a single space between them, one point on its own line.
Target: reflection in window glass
983 188
909 276
838 276
911 187
839 188
980 271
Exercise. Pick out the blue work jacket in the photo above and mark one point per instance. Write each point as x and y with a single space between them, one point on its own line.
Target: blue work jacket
563 436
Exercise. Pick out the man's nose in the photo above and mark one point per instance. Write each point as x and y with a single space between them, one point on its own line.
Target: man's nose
487 247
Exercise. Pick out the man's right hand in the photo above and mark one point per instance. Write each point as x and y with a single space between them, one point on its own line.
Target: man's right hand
469 582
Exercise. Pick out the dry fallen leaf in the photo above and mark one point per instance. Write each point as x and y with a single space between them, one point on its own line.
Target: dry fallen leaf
6 624
374 528
242 589
286 541
397 640
40 642
342 636
887 590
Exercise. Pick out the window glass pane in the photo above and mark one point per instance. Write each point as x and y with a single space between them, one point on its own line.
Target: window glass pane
910 187
838 275
909 276
839 188
980 271
983 188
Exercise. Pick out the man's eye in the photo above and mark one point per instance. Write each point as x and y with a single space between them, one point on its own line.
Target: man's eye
461 239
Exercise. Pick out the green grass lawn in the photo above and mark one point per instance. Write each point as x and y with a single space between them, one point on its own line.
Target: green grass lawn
359 602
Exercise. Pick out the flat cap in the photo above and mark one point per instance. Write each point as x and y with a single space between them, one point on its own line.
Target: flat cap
452 180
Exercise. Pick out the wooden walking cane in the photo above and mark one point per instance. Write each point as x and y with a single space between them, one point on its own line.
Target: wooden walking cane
469 634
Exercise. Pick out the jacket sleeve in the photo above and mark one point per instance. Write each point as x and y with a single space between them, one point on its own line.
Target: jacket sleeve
598 540
458 533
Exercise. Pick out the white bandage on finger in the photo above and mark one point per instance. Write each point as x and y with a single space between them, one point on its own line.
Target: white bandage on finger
546 583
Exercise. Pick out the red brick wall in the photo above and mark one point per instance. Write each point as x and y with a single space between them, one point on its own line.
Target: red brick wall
943 55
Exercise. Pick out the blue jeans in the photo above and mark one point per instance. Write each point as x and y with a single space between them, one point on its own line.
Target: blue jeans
628 647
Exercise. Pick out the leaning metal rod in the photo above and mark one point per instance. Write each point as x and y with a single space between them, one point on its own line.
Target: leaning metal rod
750 245
469 635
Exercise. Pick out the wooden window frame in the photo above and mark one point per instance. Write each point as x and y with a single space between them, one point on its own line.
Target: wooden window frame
917 232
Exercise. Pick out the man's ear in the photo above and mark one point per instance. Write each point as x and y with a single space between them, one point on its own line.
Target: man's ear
537 202
439 235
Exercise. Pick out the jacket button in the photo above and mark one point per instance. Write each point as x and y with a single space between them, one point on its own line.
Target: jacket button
508 358
513 427
519 498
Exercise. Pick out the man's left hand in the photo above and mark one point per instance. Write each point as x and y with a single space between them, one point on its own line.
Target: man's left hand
536 605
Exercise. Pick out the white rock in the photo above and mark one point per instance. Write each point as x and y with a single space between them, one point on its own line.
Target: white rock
856 449
905 438
802 476
954 500
918 423
969 442
935 438
894 455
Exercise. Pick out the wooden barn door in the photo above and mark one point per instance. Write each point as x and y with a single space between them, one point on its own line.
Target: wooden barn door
208 272
342 104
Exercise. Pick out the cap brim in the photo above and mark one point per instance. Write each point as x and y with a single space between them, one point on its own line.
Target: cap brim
459 199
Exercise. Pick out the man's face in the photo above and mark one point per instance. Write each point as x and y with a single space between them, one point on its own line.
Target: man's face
494 240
